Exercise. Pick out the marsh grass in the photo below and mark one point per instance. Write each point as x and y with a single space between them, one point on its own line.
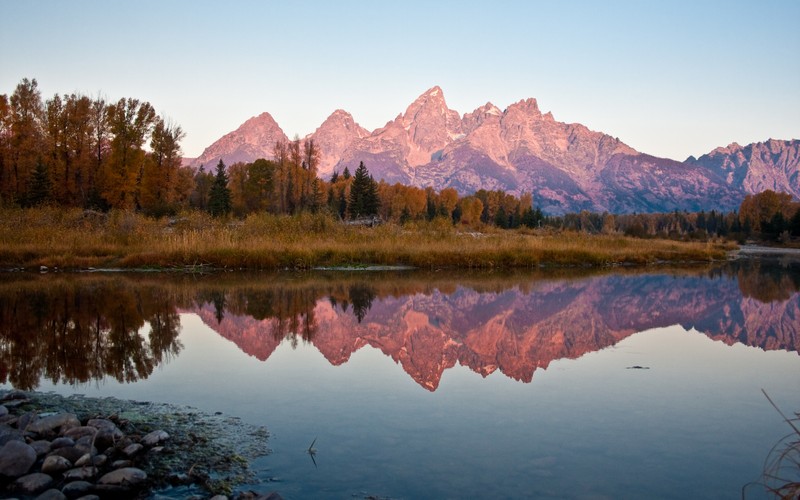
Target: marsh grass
781 475
77 239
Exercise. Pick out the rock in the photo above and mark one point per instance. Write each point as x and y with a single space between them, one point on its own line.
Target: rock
25 419
78 432
96 460
154 438
8 433
55 464
119 464
132 449
252 495
128 476
101 423
89 497
61 442
3 411
52 494
77 489
33 483
16 459
73 453
219 497
15 394
49 424
106 438
41 447
80 474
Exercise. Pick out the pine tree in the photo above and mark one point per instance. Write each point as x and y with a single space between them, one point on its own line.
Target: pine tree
219 199
363 194
41 186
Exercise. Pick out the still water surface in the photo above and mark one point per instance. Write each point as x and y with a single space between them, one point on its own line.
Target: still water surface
438 385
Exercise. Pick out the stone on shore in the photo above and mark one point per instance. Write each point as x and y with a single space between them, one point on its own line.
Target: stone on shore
55 464
155 438
52 494
53 423
128 476
16 459
33 483
77 489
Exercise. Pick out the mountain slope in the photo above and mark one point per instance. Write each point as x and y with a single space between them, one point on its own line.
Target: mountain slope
254 139
565 166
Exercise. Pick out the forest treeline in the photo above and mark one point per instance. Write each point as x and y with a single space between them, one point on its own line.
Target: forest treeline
76 151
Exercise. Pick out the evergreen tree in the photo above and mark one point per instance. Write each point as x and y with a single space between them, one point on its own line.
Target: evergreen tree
219 199
41 186
364 199
346 173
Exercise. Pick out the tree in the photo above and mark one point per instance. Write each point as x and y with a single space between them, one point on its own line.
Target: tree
26 137
363 194
130 123
40 185
219 198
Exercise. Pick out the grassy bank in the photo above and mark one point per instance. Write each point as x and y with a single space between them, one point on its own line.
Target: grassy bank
77 239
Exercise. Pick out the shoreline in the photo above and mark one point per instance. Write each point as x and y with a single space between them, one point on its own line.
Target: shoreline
173 450
66 240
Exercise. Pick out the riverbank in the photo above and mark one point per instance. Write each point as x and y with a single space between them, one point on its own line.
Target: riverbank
120 449
76 239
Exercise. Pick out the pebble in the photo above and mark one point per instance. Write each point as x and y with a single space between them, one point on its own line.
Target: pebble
41 447
33 483
61 443
49 424
52 494
80 473
89 459
55 464
128 476
132 449
79 432
77 488
155 438
16 459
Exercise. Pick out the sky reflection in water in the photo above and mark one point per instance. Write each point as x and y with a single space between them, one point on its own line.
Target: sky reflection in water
412 384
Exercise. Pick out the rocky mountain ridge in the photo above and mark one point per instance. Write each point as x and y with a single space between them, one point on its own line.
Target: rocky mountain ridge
566 166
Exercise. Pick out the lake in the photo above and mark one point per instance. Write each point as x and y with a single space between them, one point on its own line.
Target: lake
545 384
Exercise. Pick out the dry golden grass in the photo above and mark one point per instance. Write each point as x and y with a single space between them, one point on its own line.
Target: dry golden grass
74 239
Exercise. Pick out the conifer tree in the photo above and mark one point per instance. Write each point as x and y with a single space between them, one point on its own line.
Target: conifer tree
41 186
219 199
364 199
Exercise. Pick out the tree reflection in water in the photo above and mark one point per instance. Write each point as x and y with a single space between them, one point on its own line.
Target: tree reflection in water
76 328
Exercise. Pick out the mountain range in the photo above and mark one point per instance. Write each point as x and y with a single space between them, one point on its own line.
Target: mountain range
565 166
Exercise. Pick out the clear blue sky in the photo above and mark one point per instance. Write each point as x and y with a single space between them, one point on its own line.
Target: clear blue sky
669 78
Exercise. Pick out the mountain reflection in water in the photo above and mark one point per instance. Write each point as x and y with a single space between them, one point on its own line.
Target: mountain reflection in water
77 328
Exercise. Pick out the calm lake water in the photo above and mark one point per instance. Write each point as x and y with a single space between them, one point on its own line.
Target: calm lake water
443 385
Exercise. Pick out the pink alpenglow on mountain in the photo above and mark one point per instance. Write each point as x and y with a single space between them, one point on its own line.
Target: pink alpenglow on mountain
565 166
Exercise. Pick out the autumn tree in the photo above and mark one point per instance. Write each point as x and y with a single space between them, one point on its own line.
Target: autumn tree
159 188
760 210
130 122
26 139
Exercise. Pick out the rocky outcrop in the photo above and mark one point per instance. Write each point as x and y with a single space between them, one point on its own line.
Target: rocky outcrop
254 139
756 167
565 166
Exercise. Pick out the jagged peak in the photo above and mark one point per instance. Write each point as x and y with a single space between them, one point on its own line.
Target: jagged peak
433 91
